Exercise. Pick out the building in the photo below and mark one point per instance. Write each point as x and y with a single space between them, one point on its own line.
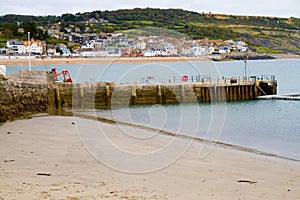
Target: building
51 50
198 51
35 47
2 51
65 51
224 50
141 45
14 46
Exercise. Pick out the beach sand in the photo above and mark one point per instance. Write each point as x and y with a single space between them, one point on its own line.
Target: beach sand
105 60
43 158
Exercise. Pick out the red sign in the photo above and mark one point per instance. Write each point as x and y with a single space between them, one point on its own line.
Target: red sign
185 78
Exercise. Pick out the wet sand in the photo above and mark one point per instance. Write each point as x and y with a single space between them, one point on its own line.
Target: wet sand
44 158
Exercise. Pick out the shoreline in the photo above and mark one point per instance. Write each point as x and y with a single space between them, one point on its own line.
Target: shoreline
187 137
106 60
43 157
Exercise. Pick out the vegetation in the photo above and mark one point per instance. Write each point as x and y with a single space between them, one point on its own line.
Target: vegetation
281 34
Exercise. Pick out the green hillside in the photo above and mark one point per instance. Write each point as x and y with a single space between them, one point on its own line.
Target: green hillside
277 34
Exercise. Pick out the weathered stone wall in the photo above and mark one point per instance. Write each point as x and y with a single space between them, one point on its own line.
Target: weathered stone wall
103 95
30 92
17 99
34 77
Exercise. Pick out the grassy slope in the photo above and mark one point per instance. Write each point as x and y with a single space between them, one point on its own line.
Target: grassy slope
269 34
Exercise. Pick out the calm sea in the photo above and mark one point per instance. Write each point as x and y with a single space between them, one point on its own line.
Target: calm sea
272 126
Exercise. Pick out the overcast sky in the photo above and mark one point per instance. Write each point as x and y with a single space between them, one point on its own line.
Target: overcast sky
278 8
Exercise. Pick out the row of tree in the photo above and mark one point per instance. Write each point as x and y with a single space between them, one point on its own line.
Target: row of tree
11 30
160 15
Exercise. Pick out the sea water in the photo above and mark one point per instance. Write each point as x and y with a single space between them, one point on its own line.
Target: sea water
271 126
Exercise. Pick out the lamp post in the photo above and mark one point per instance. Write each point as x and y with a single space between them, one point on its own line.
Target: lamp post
29 52
246 59
245 74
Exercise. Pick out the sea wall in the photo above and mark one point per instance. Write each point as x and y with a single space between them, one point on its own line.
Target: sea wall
17 99
31 92
24 93
108 95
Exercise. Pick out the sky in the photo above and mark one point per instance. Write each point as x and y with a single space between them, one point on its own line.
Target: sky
276 8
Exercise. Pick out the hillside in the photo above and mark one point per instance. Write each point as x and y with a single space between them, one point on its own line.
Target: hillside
267 34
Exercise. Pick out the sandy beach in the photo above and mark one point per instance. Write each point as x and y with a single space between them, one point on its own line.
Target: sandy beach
105 60
51 61
44 158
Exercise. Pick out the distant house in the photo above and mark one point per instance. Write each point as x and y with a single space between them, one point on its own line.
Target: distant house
35 47
170 50
141 45
20 30
113 51
211 50
240 43
93 20
51 50
87 52
2 51
76 49
224 50
80 39
149 53
198 51
185 52
241 48
154 52
64 49
88 45
14 46
127 52
103 20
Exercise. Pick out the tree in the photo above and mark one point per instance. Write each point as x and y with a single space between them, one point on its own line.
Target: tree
10 29
31 27
58 50
8 33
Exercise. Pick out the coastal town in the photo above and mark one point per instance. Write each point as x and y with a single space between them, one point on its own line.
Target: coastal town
118 44
149 100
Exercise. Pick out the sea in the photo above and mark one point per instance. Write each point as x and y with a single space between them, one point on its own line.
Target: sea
270 126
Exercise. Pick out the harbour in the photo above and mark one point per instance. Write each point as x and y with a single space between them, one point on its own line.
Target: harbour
244 121
251 129
129 100
107 95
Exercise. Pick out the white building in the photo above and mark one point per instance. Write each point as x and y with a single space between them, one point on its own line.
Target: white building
14 46
141 45
239 43
88 45
211 49
224 50
241 48
198 51
149 53
185 52
34 47
170 50
64 49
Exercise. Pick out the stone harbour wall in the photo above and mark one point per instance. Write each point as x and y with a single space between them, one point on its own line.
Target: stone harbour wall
32 92
17 99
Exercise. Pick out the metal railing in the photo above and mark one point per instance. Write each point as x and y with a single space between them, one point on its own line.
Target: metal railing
208 79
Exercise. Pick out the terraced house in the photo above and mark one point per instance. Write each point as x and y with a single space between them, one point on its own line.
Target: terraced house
17 47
